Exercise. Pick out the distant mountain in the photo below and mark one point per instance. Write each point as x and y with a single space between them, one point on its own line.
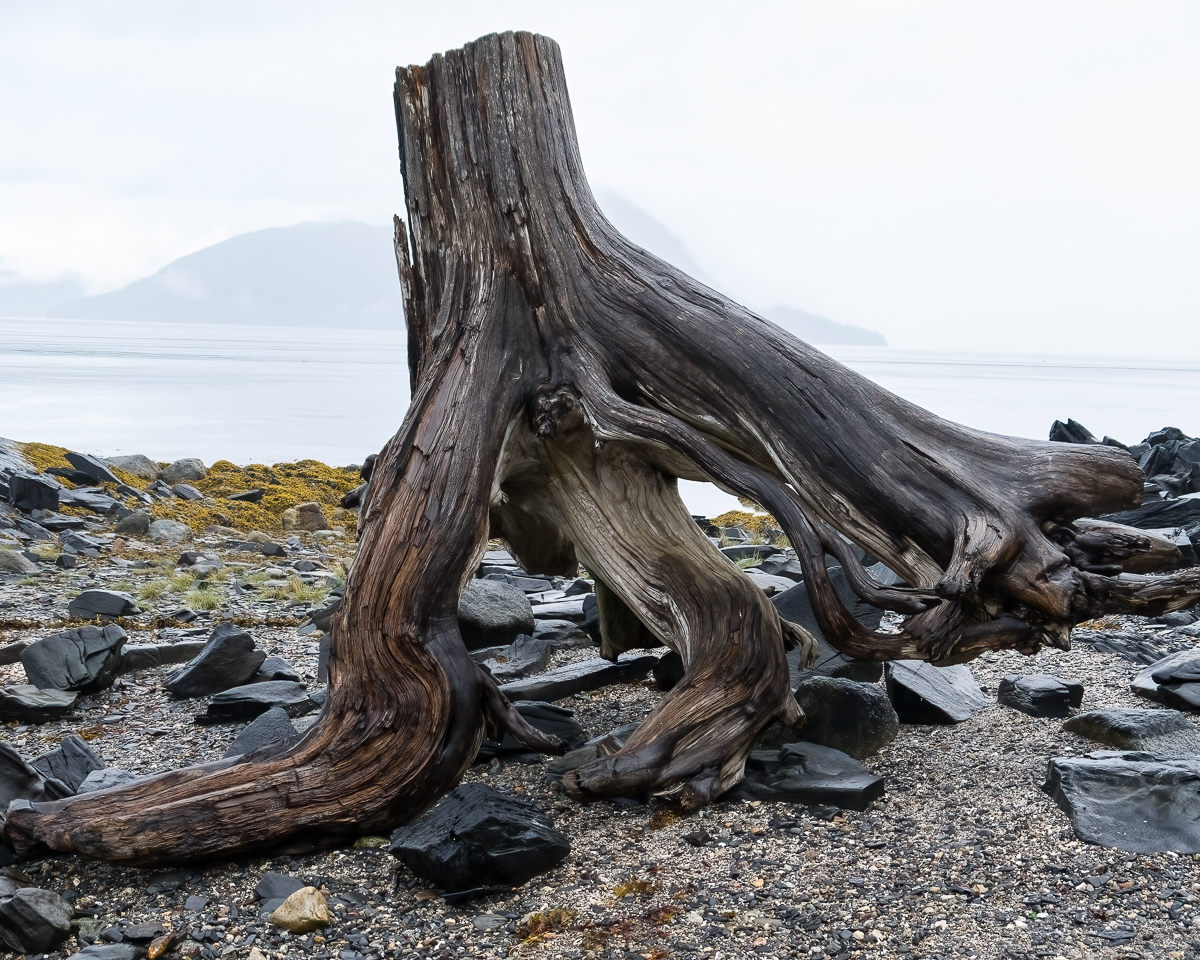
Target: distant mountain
813 329
24 298
315 274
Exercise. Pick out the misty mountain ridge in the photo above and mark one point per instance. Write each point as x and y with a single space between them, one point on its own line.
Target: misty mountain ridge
340 274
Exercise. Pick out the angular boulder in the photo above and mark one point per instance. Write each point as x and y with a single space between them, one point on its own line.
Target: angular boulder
29 492
1130 801
20 781
547 717
479 839
856 718
808 773
562 634
273 726
137 524
923 693
105 779
69 763
1173 680
1165 733
229 659
169 531
16 563
86 659
250 700
137 464
34 921
103 605
93 467
1040 695
493 614
524 656
25 703
793 605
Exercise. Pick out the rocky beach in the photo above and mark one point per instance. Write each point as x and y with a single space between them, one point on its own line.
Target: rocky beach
156 615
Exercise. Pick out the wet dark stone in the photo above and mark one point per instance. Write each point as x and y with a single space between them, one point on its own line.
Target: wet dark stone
1161 732
793 605
579 677
479 839
86 659
1040 695
923 693
21 781
273 726
856 718
34 920
229 659
808 773
69 763
250 700
103 605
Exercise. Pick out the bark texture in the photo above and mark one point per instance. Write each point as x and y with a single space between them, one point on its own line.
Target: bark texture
563 379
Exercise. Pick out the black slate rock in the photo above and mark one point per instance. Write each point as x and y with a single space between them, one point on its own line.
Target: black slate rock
547 717
253 699
1165 733
479 839
26 703
668 670
86 659
1130 801
276 668
20 781
277 886
34 920
229 659
69 763
579 677
102 604
92 467
29 492
808 773
793 605
524 656
923 693
1040 695
272 727
856 718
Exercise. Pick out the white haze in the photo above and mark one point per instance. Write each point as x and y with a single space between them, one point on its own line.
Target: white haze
1017 177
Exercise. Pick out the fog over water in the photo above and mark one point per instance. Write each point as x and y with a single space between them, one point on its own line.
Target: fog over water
271 394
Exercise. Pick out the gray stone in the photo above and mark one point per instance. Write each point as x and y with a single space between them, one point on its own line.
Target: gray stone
1040 695
105 604
856 718
88 498
94 467
1131 801
185 491
794 606
249 701
229 659
478 840
276 668
1165 733
522 657
547 717
274 726
86 659
79 544
187 470
137 524
169 531
34 921
69 763
578 677
1173 680
109 951
106 779
21 781
808 773
11 652
140 466
573 609
277 886
562 634
492 614
923 693
27 704
14 562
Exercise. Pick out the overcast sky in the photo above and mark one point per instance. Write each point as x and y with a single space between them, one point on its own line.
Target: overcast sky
1007 176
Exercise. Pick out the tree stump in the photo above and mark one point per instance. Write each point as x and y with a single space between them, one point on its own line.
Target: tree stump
562 380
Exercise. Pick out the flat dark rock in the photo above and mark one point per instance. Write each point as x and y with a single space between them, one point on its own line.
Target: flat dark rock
106 779
793 605
20 781
27 704
29 492
79 544
276 668
855 718
249 701
808 773
562 634
1040 695
477 838
524 656
34 920
573 609
547 717
104 604
578 677
1156 514
923 693
277 886
229 659
273 726
1131 801
69 763
93 467
86 659
1165 733
492 613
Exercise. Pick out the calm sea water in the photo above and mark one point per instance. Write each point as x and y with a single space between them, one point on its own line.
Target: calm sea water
270 394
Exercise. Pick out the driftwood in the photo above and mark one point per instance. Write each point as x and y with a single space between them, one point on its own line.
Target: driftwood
562 379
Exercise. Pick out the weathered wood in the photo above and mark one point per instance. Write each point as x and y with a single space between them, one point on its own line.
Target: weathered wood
563 379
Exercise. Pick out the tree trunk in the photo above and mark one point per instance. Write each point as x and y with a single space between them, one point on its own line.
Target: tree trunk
563 378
